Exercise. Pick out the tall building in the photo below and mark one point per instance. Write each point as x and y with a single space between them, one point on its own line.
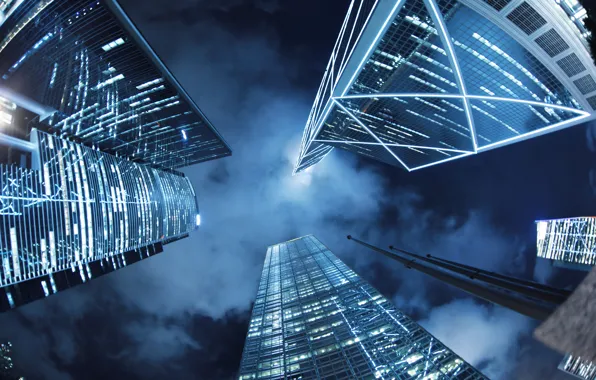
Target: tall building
414 83
92 129
98 81
578 368
80 213
313 317
570 242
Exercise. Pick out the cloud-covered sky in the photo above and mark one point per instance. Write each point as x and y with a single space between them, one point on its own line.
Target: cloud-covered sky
183 314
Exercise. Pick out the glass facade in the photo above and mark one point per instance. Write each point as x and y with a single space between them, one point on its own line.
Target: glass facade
82 213
577 367
569 242
430 81
314 318
88 62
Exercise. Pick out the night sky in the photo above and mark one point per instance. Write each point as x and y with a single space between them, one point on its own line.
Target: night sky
254 67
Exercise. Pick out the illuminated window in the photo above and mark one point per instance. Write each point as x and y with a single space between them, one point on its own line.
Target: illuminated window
113 44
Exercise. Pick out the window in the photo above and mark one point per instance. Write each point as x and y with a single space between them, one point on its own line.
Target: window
526 18
109 46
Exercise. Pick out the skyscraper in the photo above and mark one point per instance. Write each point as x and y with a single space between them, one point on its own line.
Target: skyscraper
92 129
569 242
414 83
98 80
313 317
80 213
575 366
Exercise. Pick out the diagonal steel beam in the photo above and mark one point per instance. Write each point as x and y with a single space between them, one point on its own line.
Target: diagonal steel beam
371 133
437 18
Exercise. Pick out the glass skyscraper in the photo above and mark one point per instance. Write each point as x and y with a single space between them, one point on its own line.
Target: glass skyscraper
577 367
99 81
414 83
92 129
569 242
82 213
314 318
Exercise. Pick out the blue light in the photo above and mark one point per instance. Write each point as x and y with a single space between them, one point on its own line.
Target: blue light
184 135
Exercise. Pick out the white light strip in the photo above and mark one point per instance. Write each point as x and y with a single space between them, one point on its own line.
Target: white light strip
329 107
109 82
149 84
390 17
343 62
480 97
441 161
337 45
446 39
536 132
402 95
529 102
396 145
372 134
343 59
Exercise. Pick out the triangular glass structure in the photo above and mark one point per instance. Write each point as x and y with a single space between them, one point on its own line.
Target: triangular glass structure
375 151
341 126
415 120
417 157
493 63
499 120
410 58
437 80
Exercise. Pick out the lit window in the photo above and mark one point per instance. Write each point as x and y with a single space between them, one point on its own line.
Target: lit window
149 84
113 44
134 104
109 81
5 117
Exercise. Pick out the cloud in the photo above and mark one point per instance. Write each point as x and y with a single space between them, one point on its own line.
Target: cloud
485 336
543 270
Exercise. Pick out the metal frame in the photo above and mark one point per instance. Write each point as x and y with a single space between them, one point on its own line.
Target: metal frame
390 9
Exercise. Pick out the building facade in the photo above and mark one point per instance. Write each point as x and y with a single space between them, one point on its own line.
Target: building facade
569 242
314 318
578 368
79 213
99 81
414 83
92 128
